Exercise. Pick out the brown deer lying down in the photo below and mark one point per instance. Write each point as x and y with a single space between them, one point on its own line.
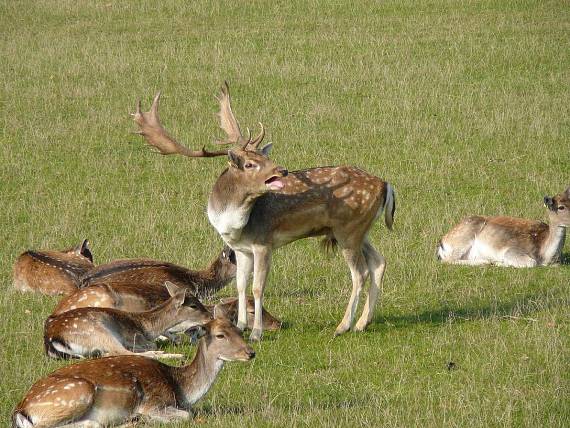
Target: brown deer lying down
143 297
509 241
88 332
114 390
201 283
257 206
52 272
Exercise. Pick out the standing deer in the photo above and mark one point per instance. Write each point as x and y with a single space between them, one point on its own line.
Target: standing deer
88 332
202 283
52 272
114 390
509 241
257 206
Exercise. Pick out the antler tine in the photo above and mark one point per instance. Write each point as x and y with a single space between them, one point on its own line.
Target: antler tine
156 136
257 141
154 106
248 141
228 122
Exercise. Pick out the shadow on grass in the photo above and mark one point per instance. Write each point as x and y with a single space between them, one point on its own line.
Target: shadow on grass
565 259
520 307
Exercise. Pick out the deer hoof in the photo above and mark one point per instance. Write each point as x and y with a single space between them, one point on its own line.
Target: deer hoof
340 330
255 336
360 325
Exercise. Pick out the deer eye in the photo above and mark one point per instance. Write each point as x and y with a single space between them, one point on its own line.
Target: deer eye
561 207
248 165
220 336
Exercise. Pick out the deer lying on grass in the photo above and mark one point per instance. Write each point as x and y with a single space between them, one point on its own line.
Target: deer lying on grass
52 272
257 206
143 297
509 241
202 283
88 332
114 390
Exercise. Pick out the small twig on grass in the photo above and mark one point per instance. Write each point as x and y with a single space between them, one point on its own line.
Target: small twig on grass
512 317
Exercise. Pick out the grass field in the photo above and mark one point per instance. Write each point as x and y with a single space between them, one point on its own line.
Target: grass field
462 106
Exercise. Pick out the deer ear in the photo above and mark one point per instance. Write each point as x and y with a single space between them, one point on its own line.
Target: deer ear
84 250
267 149
568 192
176 292
235 160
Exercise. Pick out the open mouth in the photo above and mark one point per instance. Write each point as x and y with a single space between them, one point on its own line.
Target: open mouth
274 183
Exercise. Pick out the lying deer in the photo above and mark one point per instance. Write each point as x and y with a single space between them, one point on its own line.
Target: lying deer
202 283
509 241
114 390
88 332
143 297
52 272
257 206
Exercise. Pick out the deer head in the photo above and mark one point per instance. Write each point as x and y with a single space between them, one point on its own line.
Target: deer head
225 340
559 208
189 312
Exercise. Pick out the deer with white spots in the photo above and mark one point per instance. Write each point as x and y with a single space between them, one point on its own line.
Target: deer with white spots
258 206
117 390
87 332
202 283
509 241
52 272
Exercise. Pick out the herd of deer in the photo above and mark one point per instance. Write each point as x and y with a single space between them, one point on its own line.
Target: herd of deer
119 310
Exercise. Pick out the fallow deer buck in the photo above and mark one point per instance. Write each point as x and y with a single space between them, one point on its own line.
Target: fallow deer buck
257 206
116 390
88 332
52 272
153 273
509 241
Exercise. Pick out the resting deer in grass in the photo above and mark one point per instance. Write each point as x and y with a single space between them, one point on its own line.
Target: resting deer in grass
143 297
116 390
88 332
52 272
257 206
202 283
509 241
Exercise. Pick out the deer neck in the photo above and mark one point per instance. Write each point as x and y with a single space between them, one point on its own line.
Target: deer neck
552 246
195 379
210 280
156 321
230 205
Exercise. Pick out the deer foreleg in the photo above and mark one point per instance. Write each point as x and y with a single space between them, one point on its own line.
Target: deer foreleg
261 265
244 268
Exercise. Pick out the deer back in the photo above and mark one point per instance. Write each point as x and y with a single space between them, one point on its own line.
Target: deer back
52 272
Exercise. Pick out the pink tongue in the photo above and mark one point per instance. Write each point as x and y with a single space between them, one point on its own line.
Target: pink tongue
275 185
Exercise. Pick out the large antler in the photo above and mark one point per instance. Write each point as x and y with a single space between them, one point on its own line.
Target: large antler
230 125
155 135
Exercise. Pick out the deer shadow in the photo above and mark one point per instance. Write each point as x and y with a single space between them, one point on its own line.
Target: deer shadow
520 307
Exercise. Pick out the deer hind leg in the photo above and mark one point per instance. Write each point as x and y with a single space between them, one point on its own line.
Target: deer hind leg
167 414
358 271
58 401
376 264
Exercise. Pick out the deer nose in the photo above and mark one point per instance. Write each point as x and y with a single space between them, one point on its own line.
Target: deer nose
250 353
282 171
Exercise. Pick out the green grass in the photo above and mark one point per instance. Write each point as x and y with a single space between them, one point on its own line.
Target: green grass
462 106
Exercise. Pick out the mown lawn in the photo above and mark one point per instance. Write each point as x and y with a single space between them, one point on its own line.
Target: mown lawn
462 106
